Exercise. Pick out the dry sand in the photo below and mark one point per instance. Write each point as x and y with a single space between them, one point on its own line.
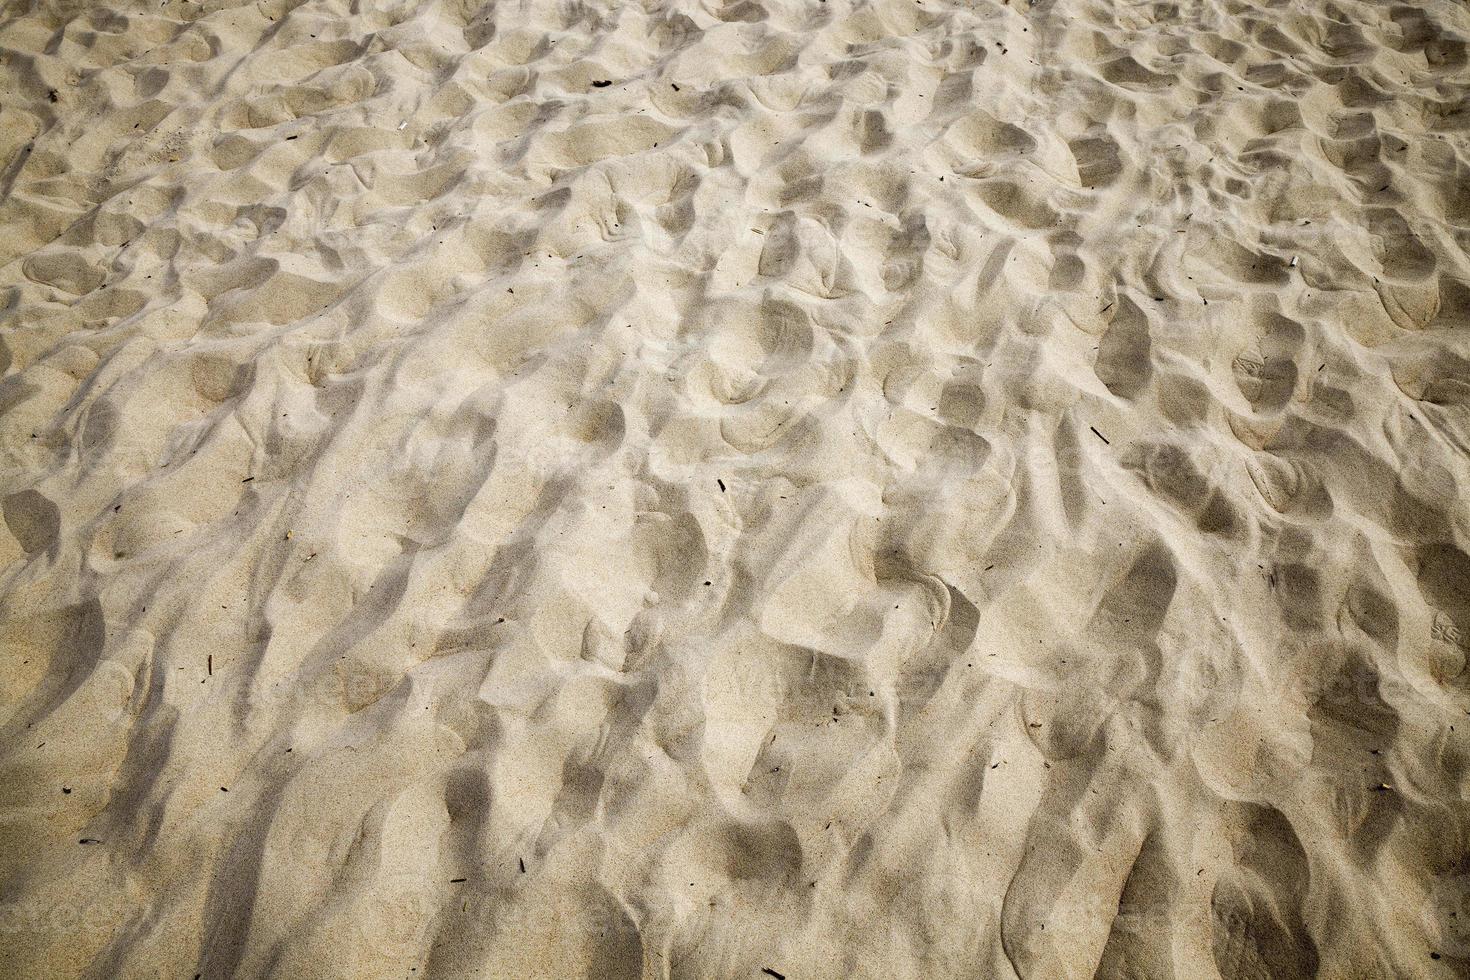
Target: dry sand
680 489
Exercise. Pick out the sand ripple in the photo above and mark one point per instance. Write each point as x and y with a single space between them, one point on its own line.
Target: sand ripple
676 489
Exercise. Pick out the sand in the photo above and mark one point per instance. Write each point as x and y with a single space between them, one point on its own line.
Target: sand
891 489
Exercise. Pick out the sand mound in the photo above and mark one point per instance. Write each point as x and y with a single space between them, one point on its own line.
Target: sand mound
912 488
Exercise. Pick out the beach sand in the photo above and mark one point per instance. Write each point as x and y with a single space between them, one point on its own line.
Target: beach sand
890 489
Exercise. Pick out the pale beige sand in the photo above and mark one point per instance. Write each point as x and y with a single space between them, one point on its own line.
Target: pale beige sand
893 489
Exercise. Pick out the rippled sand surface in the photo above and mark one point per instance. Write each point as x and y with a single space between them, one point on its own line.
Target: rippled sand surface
958 488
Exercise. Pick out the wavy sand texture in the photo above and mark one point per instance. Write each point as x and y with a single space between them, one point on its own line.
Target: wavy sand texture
957 488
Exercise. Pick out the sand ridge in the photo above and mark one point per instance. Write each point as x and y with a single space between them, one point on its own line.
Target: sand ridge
677 489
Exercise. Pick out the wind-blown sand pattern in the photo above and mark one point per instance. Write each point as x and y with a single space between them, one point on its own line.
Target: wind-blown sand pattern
683 489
